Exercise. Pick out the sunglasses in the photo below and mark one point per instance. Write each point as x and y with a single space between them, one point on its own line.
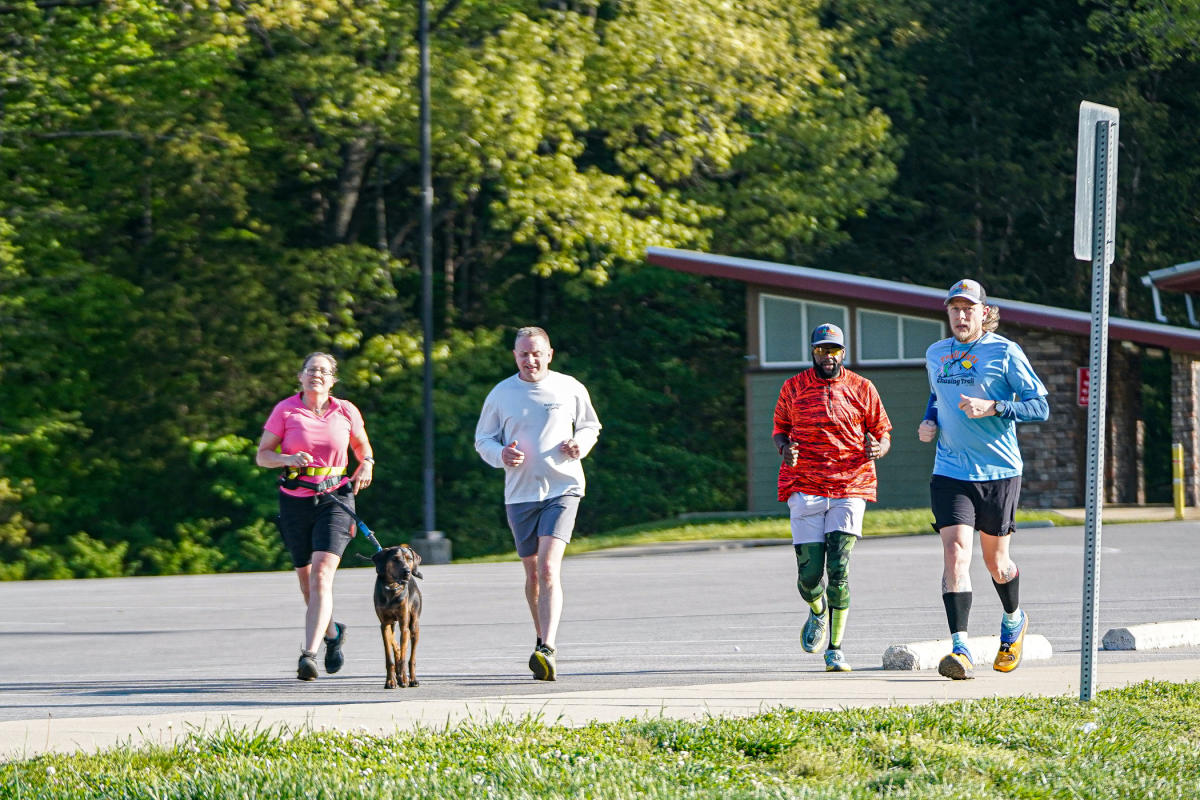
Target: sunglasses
828 349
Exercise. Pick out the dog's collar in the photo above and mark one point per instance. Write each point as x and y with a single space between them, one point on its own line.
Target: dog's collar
395 588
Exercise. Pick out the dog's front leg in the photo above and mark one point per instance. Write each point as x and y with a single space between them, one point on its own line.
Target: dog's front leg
415 627
389 653
404 668
409 633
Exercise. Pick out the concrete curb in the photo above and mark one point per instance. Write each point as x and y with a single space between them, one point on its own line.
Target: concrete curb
1154 635
927 654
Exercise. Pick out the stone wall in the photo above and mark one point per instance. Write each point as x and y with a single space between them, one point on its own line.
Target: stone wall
1124 476
1053 450
1185 419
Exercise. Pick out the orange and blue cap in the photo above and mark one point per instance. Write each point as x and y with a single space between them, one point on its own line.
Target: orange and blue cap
968 290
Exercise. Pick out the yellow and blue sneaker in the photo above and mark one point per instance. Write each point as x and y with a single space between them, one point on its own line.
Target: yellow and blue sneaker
1008 657
957 666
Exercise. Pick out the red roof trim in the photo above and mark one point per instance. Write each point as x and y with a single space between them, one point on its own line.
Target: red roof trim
1179 278
879 291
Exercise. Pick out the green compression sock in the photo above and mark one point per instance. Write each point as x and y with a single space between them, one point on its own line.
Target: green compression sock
837 626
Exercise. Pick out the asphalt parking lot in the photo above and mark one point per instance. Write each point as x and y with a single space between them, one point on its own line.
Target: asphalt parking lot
87 662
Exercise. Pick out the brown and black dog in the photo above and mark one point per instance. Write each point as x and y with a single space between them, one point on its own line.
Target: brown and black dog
398 601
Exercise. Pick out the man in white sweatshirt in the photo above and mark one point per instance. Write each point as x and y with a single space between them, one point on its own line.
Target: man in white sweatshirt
538 425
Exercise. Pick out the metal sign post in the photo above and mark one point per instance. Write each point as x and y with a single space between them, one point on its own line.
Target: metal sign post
431 544
1095 184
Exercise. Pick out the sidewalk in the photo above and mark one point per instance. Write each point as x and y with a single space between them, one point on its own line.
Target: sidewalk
812 690
1130 513
1113 514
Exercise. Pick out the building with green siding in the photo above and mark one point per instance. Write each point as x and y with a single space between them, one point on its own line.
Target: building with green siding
888 327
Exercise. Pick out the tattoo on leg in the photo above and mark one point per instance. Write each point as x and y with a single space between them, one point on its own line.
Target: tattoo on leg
949 584
1008 573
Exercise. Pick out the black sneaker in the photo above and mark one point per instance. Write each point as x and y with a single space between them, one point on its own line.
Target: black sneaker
334 659
542 663
307 669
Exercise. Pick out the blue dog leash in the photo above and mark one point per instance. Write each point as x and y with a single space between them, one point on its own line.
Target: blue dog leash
289 480
362 526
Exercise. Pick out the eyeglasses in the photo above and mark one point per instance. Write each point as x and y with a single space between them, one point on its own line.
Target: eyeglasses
828 349
319 371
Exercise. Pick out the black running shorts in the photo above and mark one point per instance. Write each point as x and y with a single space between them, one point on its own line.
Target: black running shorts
987 506
309 524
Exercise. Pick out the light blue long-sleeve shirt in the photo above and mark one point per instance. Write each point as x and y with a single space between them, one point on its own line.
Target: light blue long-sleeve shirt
995 368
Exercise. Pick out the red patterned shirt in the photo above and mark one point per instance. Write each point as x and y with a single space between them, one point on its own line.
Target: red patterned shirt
829 420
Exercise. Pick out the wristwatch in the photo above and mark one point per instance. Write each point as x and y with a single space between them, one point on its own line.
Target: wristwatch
1001 408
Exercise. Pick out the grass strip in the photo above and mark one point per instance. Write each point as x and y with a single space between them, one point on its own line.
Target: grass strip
884 522
1139 742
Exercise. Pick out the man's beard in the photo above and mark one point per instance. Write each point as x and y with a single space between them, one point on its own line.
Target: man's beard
971 336
828 373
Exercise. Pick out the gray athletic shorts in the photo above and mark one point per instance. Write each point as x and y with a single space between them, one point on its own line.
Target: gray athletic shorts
554 516
814 516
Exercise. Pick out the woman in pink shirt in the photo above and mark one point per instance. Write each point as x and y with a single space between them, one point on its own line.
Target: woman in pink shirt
307 435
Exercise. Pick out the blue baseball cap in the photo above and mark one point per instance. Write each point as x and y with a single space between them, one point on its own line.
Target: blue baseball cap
827 333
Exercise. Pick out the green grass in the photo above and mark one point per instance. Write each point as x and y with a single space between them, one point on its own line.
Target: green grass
885 522
1138 742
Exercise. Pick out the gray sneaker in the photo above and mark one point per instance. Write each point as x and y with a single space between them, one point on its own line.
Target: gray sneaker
836 662
334 657
306 670
815 631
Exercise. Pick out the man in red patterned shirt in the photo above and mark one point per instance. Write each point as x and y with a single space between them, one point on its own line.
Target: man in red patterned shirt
830 427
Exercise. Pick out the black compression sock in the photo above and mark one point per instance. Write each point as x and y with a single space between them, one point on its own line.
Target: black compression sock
958 610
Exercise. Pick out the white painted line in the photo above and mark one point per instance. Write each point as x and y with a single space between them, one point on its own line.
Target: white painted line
1153 635
927 654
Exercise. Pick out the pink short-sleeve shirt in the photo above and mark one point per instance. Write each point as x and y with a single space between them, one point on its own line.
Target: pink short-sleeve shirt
325 438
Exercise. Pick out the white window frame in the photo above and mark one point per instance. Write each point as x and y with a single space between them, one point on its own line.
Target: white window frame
878 362
806 331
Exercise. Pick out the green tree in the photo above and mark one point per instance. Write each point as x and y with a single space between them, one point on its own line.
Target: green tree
198 196
984 97
1151 66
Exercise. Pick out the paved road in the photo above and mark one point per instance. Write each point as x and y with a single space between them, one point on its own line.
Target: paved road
636 624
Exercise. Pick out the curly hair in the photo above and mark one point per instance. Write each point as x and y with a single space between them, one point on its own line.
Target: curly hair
991 319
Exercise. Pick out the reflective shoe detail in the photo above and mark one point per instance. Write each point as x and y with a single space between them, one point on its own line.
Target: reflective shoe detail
836 662
956 666
334 659
542 662
306 670
812 639
1008 657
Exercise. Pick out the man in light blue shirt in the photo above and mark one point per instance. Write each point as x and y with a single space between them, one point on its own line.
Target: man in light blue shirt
982 385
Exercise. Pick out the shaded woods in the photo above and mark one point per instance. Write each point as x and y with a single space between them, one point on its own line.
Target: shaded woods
195 197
